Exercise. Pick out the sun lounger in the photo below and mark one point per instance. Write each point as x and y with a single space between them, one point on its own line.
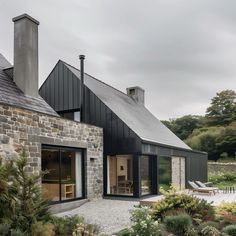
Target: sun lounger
198 189
202 185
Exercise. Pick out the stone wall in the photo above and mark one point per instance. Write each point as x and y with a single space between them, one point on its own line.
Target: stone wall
178 172
20 128
221 167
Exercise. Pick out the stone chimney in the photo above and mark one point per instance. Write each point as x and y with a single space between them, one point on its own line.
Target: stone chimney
25 73
137 94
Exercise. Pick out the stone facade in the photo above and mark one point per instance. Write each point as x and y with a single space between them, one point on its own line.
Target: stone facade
21 128
221 167
178 172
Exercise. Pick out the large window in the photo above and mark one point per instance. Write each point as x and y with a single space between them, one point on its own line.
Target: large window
145 175
64 179
120 175
164 172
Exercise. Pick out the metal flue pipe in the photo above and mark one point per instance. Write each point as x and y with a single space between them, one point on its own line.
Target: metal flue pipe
81 57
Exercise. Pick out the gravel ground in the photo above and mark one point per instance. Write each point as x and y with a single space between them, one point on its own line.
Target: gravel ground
110 215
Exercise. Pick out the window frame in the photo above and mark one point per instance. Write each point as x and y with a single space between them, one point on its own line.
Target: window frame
59 148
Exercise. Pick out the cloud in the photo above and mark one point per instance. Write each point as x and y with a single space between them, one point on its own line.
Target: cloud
181 52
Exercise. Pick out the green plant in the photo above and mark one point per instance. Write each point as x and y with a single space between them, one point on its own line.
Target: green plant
42 229
4 229
84 229
226 208
191 231
142 223
210 231
197 208
230 230
205 224
65 225
178 224
22 203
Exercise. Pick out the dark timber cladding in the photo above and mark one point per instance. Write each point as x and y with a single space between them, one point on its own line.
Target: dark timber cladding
60 91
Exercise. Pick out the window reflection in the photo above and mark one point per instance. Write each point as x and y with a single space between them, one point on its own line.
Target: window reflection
145 174
164 172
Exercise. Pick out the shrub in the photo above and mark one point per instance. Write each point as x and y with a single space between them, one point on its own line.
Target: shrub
143 223
4 229
195 207
178 224
210 231
218 177
191 231
84 229
21 200
41 229
230 230
205 224
65 225
226 208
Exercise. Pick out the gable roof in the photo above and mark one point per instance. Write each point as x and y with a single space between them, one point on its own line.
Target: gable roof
11 95
136 116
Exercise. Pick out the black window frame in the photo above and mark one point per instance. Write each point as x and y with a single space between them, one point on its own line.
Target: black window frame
59 148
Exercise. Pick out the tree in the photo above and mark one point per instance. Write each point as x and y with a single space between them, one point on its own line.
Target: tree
222 110
22 203
185 125
226 142
205 139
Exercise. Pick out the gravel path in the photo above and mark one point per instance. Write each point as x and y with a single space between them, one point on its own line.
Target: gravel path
110 215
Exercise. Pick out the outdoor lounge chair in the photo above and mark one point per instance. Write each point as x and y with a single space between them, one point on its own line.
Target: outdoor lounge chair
198 189
203 185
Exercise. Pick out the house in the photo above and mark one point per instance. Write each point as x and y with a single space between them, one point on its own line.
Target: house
71 150
140 153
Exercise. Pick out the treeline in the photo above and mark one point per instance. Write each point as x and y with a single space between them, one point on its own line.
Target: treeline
214 133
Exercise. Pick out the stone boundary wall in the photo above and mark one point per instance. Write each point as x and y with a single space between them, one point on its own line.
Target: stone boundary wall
221 167
21 128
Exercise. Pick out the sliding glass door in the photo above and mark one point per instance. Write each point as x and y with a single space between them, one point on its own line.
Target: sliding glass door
64 178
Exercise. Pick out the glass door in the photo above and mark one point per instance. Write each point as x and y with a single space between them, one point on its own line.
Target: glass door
64 180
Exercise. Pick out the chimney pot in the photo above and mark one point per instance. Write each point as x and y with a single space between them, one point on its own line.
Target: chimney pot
137 94
26 54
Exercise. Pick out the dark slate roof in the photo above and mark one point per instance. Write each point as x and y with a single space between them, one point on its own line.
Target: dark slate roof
135 115
10 94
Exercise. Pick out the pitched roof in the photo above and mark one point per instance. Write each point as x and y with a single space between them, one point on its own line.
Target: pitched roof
135 115
10 94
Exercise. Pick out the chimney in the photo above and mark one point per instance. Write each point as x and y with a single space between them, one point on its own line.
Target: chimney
136 93
26 54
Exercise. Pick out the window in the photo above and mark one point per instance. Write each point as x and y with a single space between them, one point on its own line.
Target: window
72 115
120 175
64 178
164 172
145 175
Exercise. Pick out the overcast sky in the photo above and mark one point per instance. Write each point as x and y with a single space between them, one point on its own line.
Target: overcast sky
180 51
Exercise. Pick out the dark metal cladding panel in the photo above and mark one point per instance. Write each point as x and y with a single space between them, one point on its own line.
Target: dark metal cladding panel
196 167
56 79
61 87
71 96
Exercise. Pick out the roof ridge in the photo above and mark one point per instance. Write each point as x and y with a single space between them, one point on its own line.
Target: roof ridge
96 79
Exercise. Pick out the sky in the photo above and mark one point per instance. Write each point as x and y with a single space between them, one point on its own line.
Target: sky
182 52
